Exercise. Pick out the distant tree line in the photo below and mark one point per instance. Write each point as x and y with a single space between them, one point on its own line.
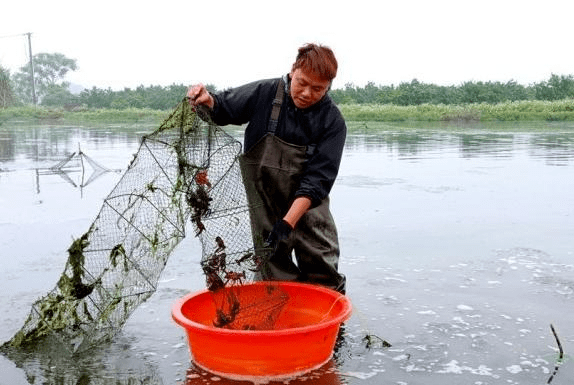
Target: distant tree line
558 87
53 91
153 97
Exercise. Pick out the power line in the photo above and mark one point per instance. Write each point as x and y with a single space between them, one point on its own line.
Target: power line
15 35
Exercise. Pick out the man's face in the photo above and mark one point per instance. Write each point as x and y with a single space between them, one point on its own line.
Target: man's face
307 88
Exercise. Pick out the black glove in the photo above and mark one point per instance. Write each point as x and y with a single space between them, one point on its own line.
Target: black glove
281 231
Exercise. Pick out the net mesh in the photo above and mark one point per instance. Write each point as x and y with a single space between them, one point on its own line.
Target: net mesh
185 172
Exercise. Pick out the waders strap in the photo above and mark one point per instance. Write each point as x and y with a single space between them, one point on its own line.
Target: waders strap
276 107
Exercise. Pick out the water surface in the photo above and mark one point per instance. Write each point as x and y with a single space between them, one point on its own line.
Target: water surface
457 243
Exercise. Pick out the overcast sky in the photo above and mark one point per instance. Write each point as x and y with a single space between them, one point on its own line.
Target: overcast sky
121 44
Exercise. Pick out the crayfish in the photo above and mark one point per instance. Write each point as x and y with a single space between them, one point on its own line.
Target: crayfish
198 200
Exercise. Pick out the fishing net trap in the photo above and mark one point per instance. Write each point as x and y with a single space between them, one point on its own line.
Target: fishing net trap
76 161
185 173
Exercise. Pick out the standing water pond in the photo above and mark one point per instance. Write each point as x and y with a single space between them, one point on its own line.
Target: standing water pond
457 242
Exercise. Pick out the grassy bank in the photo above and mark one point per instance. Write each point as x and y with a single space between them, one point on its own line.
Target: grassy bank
562 110
511 111
48 115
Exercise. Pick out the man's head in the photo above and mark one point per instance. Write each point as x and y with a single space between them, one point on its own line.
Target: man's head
311 75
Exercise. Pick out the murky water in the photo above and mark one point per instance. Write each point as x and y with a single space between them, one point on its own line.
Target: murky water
457 243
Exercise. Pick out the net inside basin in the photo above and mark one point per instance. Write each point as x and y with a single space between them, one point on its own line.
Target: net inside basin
302 338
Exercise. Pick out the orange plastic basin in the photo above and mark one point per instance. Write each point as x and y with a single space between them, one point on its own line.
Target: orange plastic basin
302 339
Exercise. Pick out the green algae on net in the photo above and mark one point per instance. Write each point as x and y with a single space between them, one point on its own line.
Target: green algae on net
184 172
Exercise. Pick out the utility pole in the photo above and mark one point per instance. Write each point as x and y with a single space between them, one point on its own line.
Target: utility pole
31 67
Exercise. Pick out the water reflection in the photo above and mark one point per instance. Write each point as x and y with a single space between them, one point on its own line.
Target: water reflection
47 152
422 143
7 144
499 145
41 143
77 163
49 143
119 363
328 374
114 364
556 148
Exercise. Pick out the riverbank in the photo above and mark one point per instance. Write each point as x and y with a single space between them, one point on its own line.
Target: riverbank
562 110
41 114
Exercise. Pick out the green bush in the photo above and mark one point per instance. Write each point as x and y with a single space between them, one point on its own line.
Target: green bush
7 98
507 111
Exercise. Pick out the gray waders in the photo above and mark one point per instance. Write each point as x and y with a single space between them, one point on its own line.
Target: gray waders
271 172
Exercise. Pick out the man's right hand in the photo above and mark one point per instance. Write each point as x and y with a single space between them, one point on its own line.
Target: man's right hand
281 232
198 95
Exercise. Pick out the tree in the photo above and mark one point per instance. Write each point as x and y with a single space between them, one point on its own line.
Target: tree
413 93
6 94
97 98
49 72
59 96
556 88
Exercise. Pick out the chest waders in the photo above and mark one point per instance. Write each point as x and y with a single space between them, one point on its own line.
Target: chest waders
271 171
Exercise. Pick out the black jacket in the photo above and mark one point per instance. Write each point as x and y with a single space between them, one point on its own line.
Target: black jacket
321 125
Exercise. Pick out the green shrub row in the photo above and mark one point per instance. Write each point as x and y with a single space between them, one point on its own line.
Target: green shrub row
508 111
560 110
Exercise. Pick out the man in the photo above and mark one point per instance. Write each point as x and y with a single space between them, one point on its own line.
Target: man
293 146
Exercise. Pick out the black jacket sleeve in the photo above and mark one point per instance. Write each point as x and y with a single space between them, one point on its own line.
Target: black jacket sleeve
244 104
323 165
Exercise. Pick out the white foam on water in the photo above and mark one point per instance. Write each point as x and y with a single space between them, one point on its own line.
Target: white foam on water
360 375
453 367
427 312
514 369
